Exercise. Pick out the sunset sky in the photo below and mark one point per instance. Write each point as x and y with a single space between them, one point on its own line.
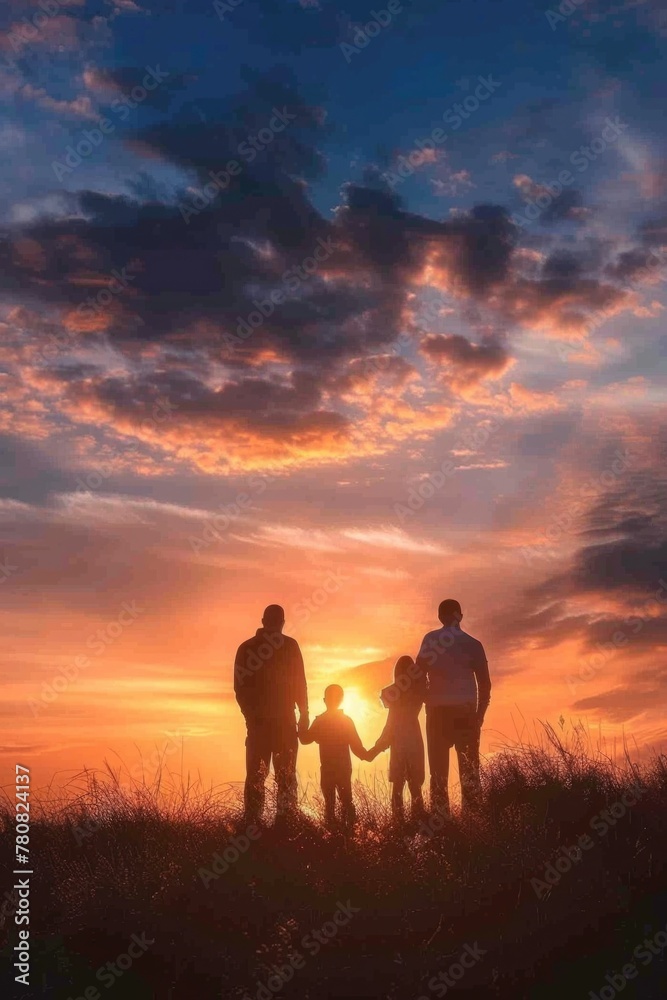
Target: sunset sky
462 394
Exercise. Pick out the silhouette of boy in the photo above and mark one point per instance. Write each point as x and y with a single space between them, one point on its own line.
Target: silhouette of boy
336 735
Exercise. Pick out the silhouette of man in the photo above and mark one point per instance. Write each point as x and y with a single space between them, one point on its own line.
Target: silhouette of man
459 691
269 681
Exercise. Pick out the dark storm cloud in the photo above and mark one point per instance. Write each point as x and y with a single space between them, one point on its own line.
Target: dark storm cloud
201 270
561 265
206 135
563 207
627 564
622 703
620 557
265 407
628 557
474 361
480 243
654 231
213 267
635 264
116 84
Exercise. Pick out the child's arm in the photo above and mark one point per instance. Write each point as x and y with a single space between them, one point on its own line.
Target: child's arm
356 746
384 740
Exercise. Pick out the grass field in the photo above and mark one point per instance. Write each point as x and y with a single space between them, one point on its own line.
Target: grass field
549 892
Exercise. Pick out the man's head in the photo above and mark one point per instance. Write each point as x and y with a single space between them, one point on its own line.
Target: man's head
449 612
273 618
333 696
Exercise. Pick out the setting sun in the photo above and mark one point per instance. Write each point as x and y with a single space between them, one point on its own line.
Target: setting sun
332 356
360 708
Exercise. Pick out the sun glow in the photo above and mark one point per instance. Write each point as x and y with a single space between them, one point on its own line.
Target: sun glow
360 708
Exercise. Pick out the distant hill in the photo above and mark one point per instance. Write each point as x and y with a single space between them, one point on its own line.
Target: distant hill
371 677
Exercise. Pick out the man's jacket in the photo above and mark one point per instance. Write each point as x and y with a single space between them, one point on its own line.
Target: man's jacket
269 677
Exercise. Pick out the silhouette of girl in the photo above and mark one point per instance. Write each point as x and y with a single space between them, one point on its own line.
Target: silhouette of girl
402 733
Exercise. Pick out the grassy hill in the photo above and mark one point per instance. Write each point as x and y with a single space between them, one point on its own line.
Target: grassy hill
551 889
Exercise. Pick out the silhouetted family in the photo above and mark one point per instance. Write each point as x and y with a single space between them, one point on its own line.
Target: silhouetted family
450 676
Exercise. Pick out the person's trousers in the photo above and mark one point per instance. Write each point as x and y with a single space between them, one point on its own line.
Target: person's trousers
270 739
333 783
453 726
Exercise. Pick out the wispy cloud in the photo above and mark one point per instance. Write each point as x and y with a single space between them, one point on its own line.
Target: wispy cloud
392 538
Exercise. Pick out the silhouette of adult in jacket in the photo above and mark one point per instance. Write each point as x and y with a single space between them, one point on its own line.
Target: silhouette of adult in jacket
269 682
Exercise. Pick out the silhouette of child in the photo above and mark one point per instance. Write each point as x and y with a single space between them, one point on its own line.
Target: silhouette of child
336 735
402 732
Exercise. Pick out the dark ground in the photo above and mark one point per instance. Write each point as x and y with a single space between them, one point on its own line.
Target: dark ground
112 865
